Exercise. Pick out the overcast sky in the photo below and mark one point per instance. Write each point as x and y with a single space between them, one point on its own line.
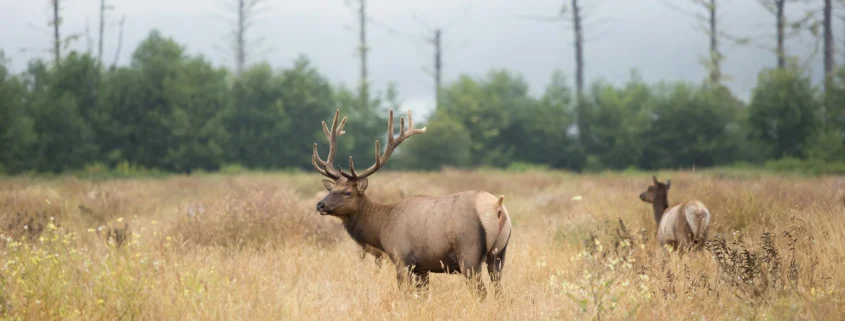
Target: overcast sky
622 34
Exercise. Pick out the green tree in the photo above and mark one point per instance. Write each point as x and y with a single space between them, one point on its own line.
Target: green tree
198 98
157 60
829 144
690 127
257 123
308 100
541 130
121 118
64 139
612 119
446 142
487 108
16 135
783 114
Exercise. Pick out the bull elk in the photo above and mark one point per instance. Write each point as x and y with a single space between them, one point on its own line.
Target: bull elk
450 234
681 226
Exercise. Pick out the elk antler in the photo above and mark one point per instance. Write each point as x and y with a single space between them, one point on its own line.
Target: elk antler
392 143
331 135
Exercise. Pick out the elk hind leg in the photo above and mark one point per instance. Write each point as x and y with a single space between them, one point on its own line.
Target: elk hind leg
421 280
471 269
495 264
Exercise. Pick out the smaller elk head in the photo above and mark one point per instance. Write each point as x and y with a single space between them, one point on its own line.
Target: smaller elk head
656 192
346 190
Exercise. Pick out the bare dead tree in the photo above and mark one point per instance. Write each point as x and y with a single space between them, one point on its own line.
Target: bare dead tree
828 41
438 65
243 18
434 38
578 29
119 41
785 29
56 22
842 19
88 40
103 7
706 15
360 9
58 42
576 16
436 43
363 48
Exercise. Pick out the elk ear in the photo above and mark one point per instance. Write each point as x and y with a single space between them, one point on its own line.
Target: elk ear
328 184
668 183
654 178
362 185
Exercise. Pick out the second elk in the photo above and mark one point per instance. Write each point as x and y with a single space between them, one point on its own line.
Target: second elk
680 227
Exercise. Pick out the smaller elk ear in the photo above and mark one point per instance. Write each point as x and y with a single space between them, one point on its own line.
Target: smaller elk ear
328 184
654 178
362 185
668 183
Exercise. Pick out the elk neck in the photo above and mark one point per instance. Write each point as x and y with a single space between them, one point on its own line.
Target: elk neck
367 224
661 203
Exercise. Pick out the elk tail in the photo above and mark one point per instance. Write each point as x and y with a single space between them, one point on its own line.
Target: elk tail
500 212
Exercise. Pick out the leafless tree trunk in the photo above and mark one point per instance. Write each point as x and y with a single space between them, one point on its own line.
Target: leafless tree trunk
102 31
239 45
778 9
240 38
780 19
828 40
57 37
88 39
579 49
438 66
436 41
786 29
715 54
363 50
707 22
119 42
577 16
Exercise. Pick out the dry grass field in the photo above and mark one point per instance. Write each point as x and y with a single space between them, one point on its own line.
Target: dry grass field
252 247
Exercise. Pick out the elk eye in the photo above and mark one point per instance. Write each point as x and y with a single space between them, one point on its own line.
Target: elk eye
348 193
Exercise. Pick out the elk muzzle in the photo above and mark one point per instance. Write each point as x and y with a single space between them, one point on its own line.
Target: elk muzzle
321 208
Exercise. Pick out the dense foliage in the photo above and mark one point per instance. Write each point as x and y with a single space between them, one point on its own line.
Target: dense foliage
168 110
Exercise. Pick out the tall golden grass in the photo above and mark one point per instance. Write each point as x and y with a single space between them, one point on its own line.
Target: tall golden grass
251 247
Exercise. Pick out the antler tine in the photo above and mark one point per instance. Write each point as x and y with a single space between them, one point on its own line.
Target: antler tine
411 130
401 126
326 131
331 134
392 143
315 159
335 132
352 173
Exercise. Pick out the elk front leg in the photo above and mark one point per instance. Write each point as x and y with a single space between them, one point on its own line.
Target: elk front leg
403 269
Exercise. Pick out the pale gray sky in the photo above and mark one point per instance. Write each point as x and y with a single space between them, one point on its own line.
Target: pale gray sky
624 34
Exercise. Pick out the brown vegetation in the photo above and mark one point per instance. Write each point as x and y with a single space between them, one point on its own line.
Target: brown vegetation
254 248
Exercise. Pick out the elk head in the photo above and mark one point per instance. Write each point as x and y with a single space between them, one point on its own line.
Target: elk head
656 191
346 190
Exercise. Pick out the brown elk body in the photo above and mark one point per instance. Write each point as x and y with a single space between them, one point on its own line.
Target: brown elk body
455 233
680 226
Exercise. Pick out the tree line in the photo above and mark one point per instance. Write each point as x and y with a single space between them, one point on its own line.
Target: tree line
176 112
